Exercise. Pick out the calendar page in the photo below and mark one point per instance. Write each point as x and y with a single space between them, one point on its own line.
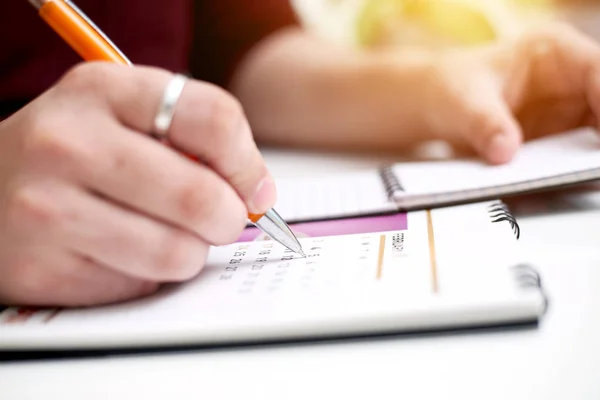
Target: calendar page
397 259
448 267
339 254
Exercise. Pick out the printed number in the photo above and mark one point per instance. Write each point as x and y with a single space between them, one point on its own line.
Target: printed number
313 255
225 277
264 252
235 261
257 267
261 259
287 258
244 247
268 246
284 265
233 269
315 248
239 254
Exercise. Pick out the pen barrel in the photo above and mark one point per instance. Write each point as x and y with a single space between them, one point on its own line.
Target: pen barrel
74 30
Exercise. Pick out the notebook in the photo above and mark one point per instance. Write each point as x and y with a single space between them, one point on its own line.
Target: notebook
427 270
547 163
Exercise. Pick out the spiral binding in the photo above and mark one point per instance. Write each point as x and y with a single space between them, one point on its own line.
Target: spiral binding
390 180
500 212
528 278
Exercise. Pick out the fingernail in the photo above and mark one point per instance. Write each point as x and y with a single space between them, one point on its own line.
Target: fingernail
264 197
500 148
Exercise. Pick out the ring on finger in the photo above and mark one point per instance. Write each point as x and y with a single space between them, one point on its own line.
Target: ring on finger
166 108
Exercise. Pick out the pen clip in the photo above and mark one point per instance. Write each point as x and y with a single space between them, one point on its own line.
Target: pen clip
95 28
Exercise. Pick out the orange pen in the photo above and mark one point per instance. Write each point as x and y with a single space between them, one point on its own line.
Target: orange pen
75 28
79 32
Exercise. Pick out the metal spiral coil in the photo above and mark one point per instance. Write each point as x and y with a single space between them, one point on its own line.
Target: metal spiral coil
390 181
500 212
528 278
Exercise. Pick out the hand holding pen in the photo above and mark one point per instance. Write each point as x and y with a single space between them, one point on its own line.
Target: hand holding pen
95 209
92 44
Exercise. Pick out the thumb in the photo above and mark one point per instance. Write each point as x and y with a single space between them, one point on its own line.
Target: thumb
490 127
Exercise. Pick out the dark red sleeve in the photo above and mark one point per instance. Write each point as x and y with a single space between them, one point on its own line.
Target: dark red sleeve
225 30
33 56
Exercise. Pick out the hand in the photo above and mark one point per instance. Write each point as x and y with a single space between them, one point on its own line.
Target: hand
492 99
92 210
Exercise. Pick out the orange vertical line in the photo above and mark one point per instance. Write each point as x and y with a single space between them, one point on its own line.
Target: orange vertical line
380 258
432 257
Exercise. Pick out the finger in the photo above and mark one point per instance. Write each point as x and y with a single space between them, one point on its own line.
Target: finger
487 124
130 243
141 174
561 58
554 115
60 279
208 123
564 62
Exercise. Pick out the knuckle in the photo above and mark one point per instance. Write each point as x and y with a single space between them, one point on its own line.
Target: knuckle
47 143
180 256
29 208
196 203
200 204
91 77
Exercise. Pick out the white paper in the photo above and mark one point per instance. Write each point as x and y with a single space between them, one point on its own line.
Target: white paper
331 196
551 156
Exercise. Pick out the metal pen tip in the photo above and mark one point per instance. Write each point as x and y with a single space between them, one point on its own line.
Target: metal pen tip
272 224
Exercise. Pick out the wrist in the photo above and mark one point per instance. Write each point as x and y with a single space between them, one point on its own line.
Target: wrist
299 90
395 91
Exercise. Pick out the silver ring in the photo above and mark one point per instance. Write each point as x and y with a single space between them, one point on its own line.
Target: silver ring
166 109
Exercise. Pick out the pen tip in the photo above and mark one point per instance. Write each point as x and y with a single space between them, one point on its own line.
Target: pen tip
302 253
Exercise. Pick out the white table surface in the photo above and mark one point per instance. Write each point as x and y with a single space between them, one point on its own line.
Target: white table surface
559 360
